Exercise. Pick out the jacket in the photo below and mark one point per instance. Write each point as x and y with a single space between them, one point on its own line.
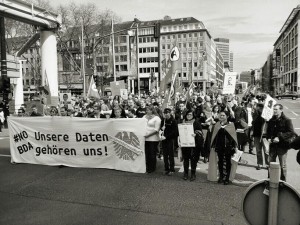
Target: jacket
280 127
170 128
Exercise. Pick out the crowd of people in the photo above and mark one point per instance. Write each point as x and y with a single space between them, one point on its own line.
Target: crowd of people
221 123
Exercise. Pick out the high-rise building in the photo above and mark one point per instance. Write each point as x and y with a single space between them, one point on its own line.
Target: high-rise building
231 61
223 46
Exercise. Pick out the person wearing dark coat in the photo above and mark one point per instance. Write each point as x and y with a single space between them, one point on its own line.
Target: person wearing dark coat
279 128
224 140
169 135
192 154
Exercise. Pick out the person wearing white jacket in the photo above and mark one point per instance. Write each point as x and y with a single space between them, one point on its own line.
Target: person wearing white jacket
1 119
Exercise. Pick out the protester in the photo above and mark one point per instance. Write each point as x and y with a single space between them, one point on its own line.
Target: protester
258 125
1 118
141 110
35 111
151 138
191 155
224 141
169 135
279 128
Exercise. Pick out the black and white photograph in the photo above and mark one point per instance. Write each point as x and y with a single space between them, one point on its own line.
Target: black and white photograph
149 112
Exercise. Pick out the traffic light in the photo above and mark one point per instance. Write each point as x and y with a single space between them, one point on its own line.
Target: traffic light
157 30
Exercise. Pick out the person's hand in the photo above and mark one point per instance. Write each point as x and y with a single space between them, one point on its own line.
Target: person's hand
162 138
276 140
193 135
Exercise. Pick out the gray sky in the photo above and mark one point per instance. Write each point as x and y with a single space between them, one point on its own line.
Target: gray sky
251 25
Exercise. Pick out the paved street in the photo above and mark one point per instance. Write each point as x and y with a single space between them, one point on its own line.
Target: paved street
35 194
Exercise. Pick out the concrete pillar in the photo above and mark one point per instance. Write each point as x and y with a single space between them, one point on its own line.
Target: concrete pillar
49 62
18 90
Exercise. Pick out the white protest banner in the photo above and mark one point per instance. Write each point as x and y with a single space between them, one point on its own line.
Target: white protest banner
185 135
267 112
79 142
124 93
229 82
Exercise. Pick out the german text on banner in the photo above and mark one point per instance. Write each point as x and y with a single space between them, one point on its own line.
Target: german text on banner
79 142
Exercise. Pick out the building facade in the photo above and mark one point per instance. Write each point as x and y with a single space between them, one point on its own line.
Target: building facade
223 45
285 63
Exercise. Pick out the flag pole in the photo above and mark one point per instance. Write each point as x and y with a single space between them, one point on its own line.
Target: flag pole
137 57
113 49
82 59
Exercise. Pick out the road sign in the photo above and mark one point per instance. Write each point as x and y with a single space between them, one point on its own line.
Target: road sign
256 200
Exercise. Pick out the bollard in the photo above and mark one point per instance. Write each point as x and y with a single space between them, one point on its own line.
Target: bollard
273 193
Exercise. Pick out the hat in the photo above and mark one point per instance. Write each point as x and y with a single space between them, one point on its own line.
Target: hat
167 110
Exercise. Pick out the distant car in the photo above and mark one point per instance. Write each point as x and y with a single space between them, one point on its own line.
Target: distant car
293 96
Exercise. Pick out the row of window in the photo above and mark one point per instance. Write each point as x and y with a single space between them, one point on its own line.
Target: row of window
105 68
186 54
183 45
118 58
291 60
291 39
146 39
120 49
148 69
148 59
148 49
176 36
184 75
181 27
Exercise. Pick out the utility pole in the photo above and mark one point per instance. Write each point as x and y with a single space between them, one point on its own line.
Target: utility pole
5 80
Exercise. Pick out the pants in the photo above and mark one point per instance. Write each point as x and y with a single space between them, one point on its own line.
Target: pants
190 154
260 149
282 161
224 165
150 154
249 139
168 153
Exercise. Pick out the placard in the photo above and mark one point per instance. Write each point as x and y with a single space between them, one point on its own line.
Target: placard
185 135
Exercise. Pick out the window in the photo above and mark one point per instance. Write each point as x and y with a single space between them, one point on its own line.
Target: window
179 74
123 39
123 68
174 36
116 49
190 44
190 35
201 74
184 74
195 74
195 64
169 46
184 64
195 35
185 27
184 35
184 45
168 37
123 58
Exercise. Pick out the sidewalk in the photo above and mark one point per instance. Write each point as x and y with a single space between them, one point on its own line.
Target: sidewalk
4 132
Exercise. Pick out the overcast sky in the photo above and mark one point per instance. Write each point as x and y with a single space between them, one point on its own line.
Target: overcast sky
251 25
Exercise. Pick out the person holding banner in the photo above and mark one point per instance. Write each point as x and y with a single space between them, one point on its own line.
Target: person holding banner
151 138
224 141
192 154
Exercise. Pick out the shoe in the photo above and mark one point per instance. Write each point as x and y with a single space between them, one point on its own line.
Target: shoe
171 173
167 173
193 177
258 167
220 180
205 160
226 182
185 176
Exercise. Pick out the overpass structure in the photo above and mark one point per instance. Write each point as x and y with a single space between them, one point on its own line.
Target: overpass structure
48 23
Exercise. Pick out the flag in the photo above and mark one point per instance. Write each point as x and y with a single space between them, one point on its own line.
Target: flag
93 91
190 92
46 92
165 81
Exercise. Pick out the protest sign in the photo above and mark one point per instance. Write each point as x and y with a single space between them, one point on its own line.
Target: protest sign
229 82
185 135
267 112
79 142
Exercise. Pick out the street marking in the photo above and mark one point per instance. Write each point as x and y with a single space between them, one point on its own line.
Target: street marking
297 128
293 118
286 107
294 113
1 155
